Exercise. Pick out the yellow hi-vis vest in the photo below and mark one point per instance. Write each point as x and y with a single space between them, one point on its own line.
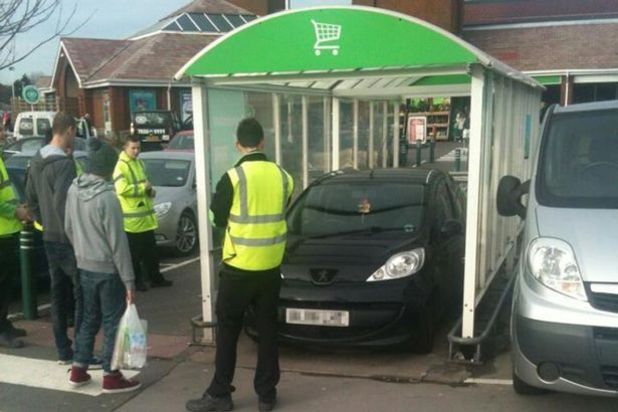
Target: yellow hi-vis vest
256 233
79 170
137 207
8 202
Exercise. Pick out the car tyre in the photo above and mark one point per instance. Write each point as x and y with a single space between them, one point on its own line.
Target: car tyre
522 388
187 238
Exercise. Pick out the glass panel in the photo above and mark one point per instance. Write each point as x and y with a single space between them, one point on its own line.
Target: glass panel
291 138
235 20
260 106
172 27
249 17
363 135
220 22
318 139
378 134
346 134
203 23
186 24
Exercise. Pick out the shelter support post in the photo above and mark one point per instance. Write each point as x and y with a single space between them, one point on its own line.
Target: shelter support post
277 126
396 134
473 195
355 133
335 134
385 134
371 130
305 141
202 167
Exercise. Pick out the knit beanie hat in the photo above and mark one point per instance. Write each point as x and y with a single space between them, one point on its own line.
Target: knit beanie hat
102 158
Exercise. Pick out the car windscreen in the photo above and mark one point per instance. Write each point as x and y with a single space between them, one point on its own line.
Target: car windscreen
153 119
182 142
167 172
374 206
578 165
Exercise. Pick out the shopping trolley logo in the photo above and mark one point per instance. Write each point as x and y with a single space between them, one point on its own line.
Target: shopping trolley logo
326 37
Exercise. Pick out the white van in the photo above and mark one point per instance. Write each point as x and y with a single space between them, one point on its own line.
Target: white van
36 123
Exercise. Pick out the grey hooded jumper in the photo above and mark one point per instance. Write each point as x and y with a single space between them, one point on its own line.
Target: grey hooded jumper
94 225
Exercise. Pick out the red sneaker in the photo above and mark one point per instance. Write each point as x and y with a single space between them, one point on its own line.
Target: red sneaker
116 383
79 376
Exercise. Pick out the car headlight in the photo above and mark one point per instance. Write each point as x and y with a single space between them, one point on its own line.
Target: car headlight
161 209
400 265
552 262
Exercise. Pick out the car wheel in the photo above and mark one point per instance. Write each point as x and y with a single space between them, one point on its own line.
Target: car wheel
522 388
186 235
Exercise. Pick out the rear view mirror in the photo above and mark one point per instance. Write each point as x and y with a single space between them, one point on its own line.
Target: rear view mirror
510 192
451 228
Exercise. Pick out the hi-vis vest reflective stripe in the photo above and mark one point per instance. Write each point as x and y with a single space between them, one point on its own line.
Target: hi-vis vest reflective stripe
257 231
79 170
8 225
137 206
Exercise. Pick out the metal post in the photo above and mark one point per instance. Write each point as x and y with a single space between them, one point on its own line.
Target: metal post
28 289
305 141
418 152
432 149
336 124
277 126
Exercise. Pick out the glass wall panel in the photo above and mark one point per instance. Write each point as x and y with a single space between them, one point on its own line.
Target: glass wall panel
346 134
363 135
291 138
260 106
378 133
319 133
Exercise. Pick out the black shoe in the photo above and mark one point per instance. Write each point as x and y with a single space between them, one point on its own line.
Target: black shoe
163 283
209 403
265 406
8 341
141 287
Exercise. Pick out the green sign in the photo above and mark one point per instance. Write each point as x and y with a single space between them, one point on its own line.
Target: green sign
331 39
30 94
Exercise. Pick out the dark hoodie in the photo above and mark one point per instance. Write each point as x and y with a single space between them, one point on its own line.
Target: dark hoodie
94 225
51 173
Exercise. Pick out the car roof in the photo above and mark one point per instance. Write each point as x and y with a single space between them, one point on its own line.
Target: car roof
585 107
167 155
409 175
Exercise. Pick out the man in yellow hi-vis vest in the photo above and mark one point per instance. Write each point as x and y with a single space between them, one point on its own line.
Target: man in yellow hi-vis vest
136 195
11 215
250 201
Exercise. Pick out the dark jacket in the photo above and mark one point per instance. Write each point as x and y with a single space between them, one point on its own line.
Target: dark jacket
49 179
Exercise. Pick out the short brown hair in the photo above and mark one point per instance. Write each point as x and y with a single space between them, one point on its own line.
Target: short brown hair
62 123
132 138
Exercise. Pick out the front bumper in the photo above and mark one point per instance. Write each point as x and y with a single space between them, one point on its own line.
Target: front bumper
165 234
380 314
576 343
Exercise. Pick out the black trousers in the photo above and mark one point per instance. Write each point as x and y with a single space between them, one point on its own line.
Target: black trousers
9 266
236 292
144 251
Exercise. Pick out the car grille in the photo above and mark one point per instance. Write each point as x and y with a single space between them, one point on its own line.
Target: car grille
602 301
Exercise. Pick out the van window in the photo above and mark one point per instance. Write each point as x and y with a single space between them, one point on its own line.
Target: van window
26 126
42 126
578 165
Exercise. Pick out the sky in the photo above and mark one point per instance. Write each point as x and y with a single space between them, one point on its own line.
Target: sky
109 19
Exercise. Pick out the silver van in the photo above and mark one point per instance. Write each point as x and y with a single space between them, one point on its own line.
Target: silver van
564 323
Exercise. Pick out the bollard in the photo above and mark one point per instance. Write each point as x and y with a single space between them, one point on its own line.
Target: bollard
432 150
418 152
457 160
28 290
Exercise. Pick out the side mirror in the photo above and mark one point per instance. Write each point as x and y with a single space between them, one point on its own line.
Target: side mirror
510 192
451 228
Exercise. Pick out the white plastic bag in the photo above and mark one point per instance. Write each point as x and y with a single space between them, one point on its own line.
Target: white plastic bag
130 347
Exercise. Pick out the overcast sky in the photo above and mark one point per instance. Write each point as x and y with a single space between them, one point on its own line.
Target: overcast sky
110 19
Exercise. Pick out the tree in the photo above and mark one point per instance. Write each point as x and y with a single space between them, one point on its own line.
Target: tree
19 84
20 16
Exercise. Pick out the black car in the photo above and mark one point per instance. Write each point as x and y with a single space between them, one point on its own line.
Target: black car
373 258
154 128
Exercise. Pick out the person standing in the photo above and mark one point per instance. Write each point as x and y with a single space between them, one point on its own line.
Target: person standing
50 175
11 216
136 195
250 200
94 225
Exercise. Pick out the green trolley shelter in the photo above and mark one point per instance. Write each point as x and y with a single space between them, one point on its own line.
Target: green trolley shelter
327 84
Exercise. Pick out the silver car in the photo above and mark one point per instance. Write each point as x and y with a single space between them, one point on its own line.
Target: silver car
564 322
173 176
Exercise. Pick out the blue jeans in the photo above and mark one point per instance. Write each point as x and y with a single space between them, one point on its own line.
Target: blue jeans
65 294
104 300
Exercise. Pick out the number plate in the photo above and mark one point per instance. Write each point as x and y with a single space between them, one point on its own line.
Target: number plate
336 318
